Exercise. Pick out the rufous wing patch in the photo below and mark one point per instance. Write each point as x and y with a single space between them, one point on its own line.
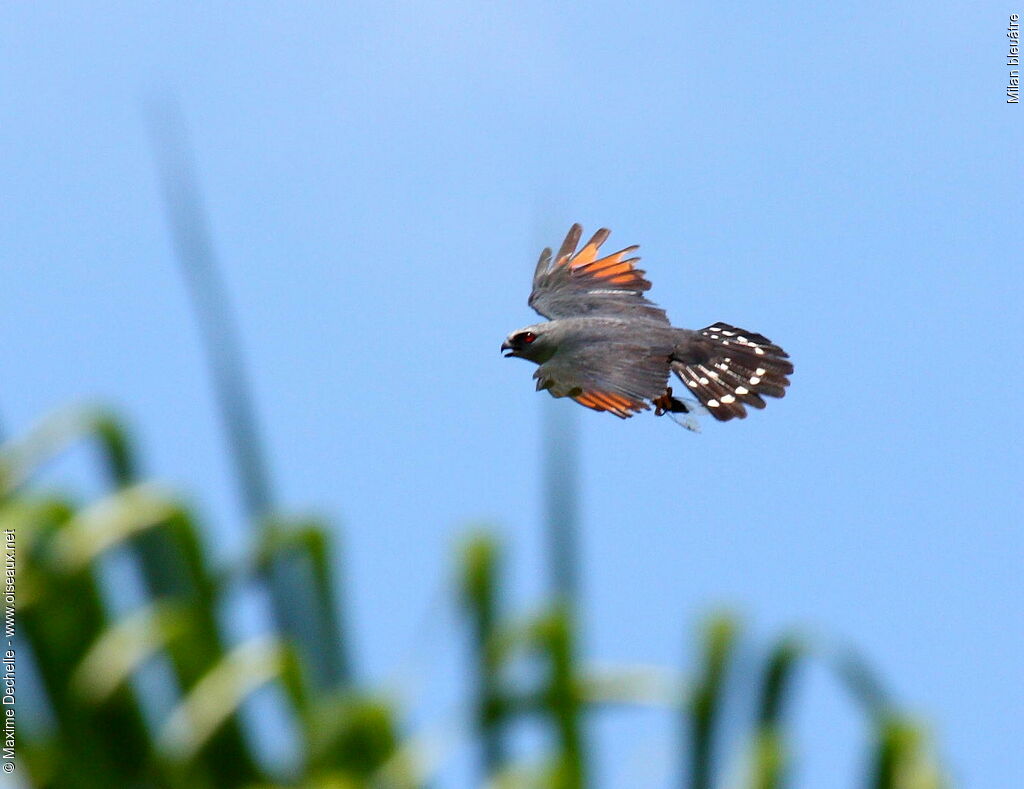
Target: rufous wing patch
589 252
620 405
617 270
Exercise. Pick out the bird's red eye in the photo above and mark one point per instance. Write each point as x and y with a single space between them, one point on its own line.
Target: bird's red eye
529 337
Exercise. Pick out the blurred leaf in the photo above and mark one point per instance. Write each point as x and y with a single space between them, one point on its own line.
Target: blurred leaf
175 566
125 646
719 639
217 696
561 501
478 570
633 685
417 758
21 457
522 776
902 760
355 733
65 617
326 780
563 699
778 674
194 250
306 605
769 758
106 523
862 683
31 519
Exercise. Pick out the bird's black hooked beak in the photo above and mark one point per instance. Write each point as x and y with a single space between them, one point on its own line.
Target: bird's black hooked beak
507 346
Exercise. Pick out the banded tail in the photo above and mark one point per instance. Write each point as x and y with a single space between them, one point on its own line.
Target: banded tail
727 368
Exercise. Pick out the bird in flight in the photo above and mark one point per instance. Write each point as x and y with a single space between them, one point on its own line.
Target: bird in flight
611 349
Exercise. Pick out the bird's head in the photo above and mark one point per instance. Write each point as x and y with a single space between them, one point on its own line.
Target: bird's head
535 343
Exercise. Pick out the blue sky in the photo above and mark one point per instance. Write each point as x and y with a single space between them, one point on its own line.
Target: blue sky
379 182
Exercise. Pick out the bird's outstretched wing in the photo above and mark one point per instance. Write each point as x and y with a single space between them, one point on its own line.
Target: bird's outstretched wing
574 284
607 376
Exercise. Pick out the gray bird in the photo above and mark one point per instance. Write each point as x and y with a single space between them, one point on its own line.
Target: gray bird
609 348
